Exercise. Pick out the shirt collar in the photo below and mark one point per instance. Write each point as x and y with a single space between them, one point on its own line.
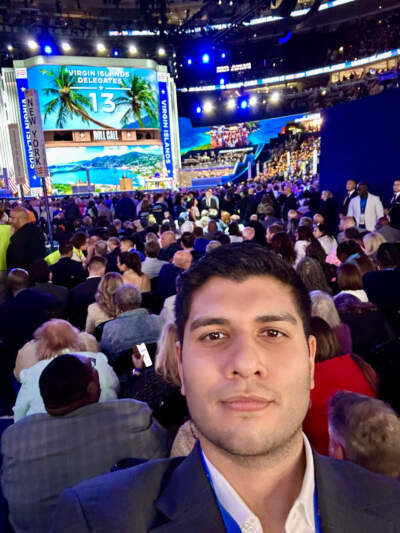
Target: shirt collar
243 516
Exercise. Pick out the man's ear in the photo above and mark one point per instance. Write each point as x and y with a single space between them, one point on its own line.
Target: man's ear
312 348
178 354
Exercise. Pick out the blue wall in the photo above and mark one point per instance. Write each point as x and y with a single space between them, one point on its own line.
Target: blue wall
361 140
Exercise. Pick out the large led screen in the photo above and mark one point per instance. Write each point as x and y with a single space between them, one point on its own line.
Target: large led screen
235 135
82 97
105 166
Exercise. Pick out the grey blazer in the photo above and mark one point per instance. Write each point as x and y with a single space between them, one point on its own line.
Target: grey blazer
174 496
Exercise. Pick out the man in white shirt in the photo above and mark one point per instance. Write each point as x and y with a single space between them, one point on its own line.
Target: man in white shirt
246 363
151 266
366 208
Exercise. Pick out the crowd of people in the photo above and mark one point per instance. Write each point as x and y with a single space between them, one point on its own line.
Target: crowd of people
91 378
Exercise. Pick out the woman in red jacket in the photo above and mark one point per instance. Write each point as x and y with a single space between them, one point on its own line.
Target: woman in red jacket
333 372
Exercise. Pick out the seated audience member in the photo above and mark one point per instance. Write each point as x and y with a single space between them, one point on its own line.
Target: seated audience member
84 294
131 267
212 229
55 338
103 309
352 251
327 241
371 243
247 384
151 266
168 246
78 438
187 244
283 245
365 431
304 236
389 233
212 245
383 286
41 282
49 340
270 217
159 385
312 275
345 223
167 278
234 232
248 234
334 371
353 234
66 271
367 324
127 244
133 324
20 316
322 305
350 281
201 242
271 230
112 255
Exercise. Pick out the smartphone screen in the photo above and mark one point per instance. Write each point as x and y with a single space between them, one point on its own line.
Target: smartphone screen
145 354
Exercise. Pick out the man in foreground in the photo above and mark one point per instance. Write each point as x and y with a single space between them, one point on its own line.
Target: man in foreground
246 362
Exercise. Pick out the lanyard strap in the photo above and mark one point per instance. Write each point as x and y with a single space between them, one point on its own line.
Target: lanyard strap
231 526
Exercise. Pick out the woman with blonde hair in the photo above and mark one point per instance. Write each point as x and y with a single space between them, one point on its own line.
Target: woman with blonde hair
103 309
54 338
371 242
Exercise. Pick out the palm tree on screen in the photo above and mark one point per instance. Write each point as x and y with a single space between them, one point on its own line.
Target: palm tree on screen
138 96
68 102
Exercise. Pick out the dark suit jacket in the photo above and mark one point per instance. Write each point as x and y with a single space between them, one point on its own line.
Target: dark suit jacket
81 297
346 202
166 285
60 294
174 496
394 213
67 272
289 203
112 260
383 287
26 246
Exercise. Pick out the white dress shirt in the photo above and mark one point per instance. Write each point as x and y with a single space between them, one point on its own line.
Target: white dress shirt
301 516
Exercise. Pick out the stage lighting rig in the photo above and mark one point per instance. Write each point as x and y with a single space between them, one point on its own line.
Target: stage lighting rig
285 8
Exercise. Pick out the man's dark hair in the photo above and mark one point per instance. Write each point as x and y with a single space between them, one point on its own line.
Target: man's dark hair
152 249
64 381
79 239
66 247
352 233
238 262
187 239
198 232
97 262
17 280
388 255
222 237
40 271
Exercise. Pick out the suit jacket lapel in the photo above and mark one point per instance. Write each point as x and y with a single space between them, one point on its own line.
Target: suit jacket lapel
188 501
344 508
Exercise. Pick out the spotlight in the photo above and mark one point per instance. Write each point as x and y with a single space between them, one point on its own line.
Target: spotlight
100 47
205 58
189 61
66 47
115 53
10 48
222 81
208 107
48 50
231 104
223 55
253 101
244 104
275 97
132 49
198 110
33 45
161 51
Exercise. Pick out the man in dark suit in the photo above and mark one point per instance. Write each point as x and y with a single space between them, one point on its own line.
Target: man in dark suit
67 272
83 294
351 192
112 256
247 380
394 208
20 316
210 202
289 202
27 242
125 208
41 280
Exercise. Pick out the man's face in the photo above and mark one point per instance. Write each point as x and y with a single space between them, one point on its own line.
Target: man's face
208 194
363 190
246 375
350 185
396 186
18 219
125 246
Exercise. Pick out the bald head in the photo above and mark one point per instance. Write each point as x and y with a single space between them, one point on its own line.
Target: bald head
167 238
182 260
248 233
19 217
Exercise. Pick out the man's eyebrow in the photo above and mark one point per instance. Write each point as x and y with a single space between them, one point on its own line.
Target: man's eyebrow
279 317
208 321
